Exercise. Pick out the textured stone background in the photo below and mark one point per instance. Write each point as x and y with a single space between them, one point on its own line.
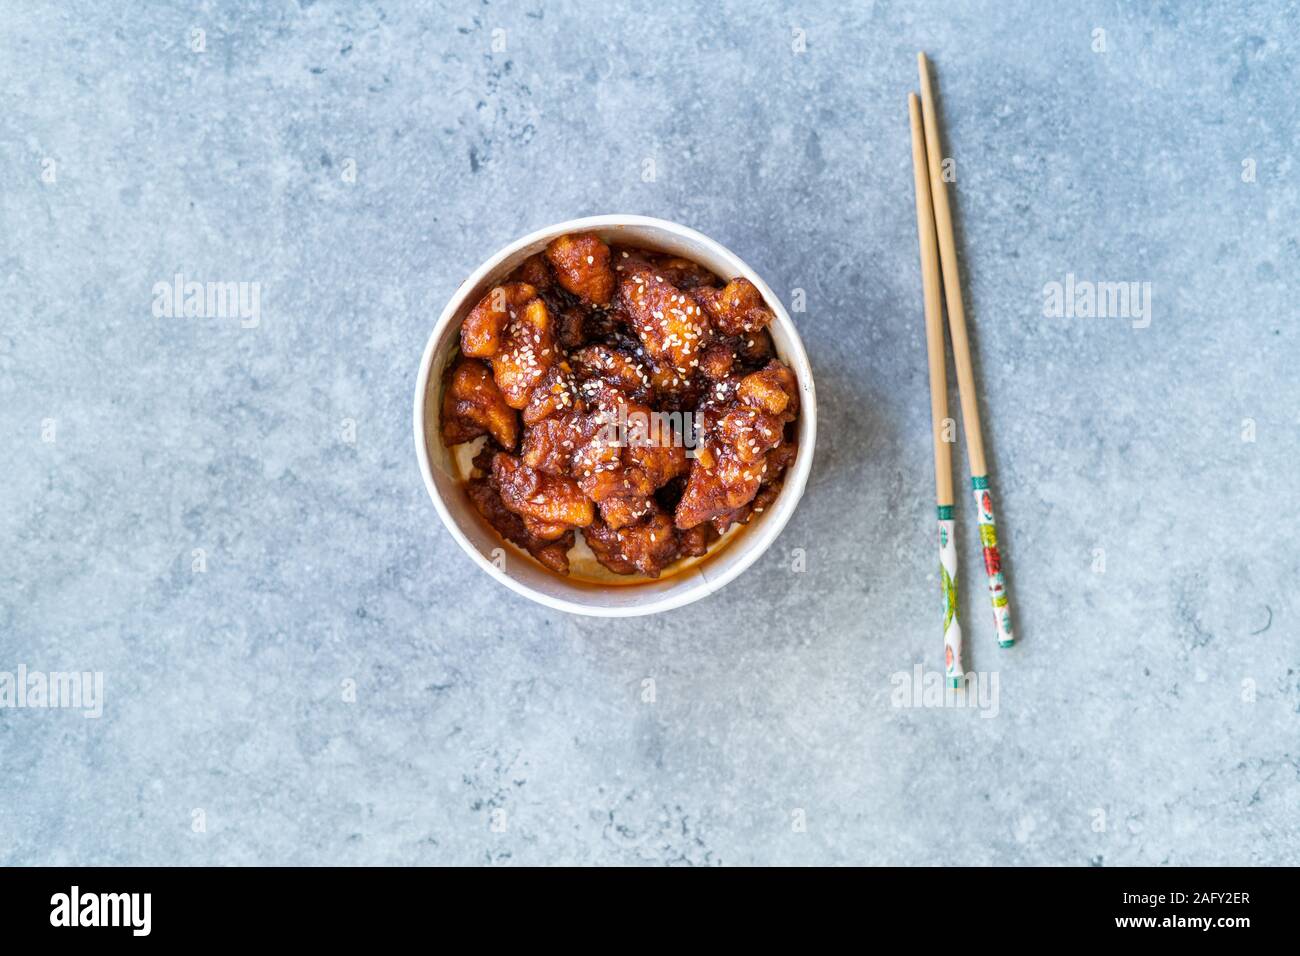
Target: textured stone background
1131 692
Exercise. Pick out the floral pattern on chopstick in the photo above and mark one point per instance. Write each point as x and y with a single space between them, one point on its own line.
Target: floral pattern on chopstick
952 662
993 561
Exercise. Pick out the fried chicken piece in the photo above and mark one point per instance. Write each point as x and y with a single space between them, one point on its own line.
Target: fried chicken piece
669 323
581 264
544 531
545 499
772 389
735 309
780 458
767 493
673 391
718 360
555 393
755 349
648 547
550 445
615 367
711 492
533 271
527 351
694 542
660 455
472 405
553 554
626 453
480 333
682 273
621 512
736 355
738 433
629 454
544 446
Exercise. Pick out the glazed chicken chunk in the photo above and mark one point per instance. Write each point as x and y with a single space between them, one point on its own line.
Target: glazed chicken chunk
552 553
581 264
735 309
669 322
472 405
548 501
647 547
480 333
627 459
512 327
617 367
739 433
527 351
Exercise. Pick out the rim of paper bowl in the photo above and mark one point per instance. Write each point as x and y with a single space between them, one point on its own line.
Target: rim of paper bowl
522 574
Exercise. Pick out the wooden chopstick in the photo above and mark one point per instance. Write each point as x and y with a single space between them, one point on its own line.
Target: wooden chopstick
934 347
961 359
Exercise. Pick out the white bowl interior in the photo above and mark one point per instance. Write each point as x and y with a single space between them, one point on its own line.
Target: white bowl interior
515 568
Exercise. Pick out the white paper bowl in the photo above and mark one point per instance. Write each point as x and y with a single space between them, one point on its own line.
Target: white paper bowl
519 572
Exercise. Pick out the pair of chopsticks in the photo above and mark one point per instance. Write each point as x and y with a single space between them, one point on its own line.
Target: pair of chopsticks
939 254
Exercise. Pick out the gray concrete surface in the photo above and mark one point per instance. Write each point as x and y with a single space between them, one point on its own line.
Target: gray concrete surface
300 666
